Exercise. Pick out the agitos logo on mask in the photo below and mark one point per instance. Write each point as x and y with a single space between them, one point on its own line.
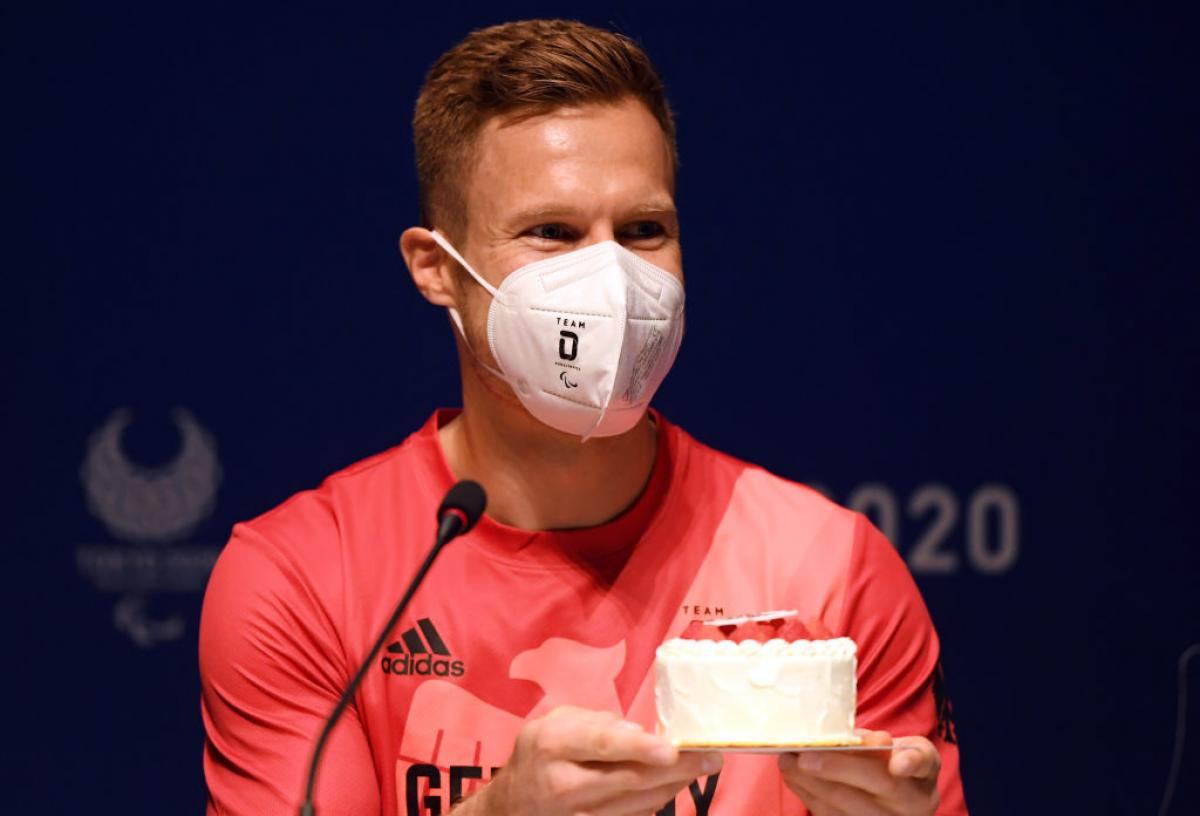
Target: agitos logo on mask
412 656
583 338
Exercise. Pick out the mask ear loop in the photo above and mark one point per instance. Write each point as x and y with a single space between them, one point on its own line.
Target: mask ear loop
444 244
454 315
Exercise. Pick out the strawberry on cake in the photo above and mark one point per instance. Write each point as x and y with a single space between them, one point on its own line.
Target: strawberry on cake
765 680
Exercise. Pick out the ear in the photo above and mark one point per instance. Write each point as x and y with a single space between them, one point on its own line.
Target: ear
430 266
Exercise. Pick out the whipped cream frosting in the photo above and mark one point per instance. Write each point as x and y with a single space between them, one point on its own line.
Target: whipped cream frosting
683 647
774 693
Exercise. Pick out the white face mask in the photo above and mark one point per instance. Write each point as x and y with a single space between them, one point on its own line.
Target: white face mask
585 338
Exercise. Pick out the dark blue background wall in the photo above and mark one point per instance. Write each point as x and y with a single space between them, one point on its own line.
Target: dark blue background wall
941 261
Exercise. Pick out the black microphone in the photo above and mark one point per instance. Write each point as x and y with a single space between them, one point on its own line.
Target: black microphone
458 513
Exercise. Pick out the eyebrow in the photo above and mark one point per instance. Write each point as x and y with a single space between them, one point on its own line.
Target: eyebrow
555 210
542 211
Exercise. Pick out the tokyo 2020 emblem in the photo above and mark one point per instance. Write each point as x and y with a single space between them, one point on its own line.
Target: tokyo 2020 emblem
150 512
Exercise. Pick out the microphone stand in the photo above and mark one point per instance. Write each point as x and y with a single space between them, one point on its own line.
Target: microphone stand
453 522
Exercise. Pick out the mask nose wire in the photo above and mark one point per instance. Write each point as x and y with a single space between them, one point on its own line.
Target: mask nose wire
446 245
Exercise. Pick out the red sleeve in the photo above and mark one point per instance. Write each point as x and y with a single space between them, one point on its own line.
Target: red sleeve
898 659
271 670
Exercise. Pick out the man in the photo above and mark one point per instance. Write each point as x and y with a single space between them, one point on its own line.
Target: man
519 681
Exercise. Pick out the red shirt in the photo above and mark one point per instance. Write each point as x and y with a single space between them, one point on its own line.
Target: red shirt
511 623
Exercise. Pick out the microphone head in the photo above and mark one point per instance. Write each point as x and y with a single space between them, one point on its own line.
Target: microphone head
468 499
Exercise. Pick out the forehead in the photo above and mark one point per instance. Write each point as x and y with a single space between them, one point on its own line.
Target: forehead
595 155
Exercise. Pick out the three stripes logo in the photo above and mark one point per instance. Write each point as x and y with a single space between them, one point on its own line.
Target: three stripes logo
427 656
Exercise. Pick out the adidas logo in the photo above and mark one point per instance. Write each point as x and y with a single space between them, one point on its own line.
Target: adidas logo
425 657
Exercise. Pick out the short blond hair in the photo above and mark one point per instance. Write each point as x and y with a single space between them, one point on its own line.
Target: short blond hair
517 70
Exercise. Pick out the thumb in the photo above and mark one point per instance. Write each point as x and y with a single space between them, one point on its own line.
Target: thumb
914 757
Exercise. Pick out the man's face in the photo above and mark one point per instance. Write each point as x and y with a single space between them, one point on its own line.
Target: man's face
562 181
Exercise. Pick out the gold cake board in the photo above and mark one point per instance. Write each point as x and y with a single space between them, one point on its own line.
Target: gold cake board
850 744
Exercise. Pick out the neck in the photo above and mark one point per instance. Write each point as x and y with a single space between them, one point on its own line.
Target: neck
538 478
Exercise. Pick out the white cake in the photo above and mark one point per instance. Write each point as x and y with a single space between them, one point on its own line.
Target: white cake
777 693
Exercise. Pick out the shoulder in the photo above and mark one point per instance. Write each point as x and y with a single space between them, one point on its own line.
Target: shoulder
296 555
310 522
764 499
787 541
807 546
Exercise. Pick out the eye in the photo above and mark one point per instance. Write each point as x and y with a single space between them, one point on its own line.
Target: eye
550 232
643 230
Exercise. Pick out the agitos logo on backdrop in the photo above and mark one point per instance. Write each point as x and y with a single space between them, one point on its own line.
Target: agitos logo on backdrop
427 657
149 510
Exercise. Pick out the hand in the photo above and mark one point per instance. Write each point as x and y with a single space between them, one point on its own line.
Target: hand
574 761
898 782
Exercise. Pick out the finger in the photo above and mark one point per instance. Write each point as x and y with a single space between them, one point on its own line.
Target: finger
588 739
795 783
834 797
823 809
639 802
915 757
881 738
896 794
566 712
608 778
866 771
